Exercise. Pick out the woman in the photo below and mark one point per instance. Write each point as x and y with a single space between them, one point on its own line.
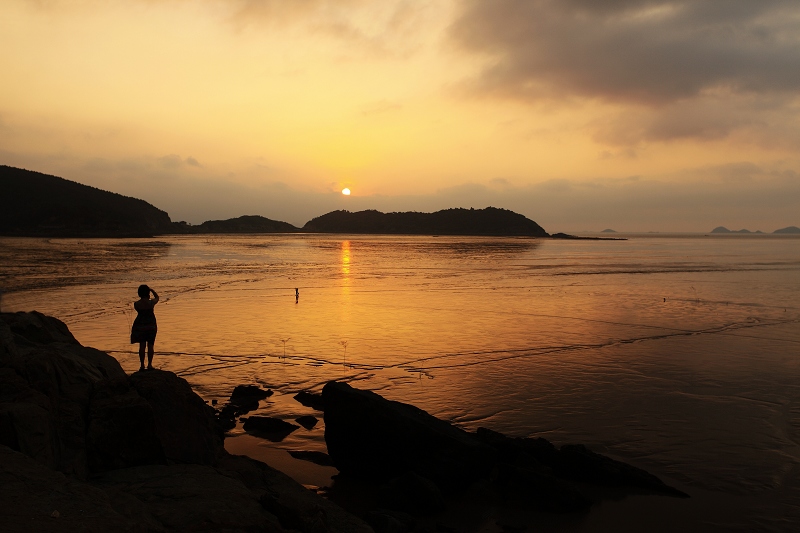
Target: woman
144 327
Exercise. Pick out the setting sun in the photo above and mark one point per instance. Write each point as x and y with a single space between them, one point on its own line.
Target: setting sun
346 191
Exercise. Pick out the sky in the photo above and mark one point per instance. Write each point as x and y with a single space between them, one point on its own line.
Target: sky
635 115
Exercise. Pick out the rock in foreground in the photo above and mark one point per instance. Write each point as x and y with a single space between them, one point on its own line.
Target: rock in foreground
371 437
392 444
84 447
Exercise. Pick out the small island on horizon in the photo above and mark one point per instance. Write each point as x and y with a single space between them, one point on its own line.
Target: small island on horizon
787 230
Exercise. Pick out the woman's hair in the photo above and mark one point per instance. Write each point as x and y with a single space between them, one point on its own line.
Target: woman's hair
144 291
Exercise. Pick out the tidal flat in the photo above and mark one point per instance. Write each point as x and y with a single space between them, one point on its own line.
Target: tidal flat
675 353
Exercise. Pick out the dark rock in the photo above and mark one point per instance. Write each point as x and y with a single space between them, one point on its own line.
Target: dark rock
31 492
539 490
390 521
537 457
191 498
273 429
369 436
25 422
247 394
121 430
413 494
36 328
184 424
226 417
296 507
50 379
530 452
320 458
579 463
525 474
310 399
244 399
307 421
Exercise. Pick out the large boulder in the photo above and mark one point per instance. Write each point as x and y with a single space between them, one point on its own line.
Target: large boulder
297 508
188 498
184 423
399 449
121 430
369 436
49 378
572 462
36 498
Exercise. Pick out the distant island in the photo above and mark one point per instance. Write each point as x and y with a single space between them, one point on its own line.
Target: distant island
723 229
243 224
608 231
489 221
789 229
40 205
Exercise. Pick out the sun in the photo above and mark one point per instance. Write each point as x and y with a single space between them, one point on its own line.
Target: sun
346 191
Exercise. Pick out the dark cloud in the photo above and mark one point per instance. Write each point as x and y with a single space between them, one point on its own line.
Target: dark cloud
652 52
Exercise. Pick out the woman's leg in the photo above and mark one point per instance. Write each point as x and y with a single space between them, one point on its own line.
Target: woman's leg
149 354
141 355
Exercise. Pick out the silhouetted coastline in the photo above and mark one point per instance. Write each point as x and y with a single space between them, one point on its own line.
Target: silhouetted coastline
490 221
39 205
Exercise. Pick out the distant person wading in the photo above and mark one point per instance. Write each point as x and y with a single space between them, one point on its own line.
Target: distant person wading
144 327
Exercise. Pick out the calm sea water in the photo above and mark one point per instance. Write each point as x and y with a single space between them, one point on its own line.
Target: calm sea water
677 353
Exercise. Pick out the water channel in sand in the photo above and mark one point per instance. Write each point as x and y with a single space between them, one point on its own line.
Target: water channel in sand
677 353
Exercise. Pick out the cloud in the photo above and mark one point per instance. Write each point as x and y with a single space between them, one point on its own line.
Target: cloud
375 108
390 28
652 52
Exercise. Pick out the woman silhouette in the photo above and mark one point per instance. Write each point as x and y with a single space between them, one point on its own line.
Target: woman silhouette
144 327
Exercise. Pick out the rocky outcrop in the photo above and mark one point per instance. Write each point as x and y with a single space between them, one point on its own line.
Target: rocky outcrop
84 447
121 430
407 454
34 497
368 436
184 424
49 380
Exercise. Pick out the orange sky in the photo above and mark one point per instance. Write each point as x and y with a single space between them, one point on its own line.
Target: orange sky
635 114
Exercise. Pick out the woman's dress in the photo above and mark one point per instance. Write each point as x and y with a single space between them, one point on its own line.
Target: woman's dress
144 327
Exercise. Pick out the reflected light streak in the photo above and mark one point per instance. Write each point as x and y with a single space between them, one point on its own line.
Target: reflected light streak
346 259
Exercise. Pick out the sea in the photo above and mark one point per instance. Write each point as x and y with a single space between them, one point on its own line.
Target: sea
677 353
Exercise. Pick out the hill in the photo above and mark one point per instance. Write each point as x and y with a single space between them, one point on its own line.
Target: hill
790 229
36 204
243 224
488 221
723 229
